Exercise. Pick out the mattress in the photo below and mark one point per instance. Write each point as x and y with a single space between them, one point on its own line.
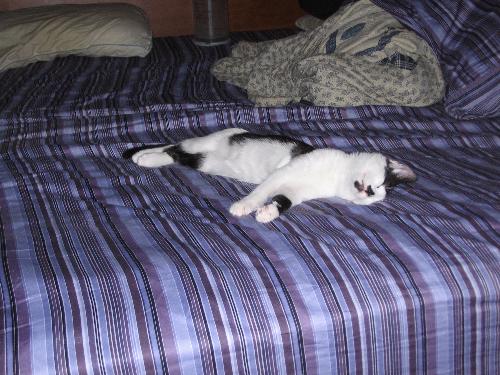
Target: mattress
107 267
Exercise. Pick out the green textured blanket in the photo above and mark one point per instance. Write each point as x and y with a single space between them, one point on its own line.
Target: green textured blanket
360 55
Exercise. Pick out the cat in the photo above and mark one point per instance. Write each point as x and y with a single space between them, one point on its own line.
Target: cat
287 171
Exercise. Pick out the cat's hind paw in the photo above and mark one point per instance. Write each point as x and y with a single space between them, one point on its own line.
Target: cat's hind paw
152 158
242 207
267 213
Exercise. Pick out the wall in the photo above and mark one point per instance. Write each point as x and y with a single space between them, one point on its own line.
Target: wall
174 17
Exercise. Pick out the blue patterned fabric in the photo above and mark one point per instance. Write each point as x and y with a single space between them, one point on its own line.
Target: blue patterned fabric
331 44
109 268
465 36
399 60
353 31
382 43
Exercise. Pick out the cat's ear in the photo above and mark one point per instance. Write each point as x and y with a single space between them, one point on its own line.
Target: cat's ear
399 172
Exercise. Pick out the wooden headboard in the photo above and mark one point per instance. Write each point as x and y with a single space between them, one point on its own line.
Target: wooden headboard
174 17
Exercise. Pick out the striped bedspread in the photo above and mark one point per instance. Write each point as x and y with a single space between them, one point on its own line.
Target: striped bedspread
109 268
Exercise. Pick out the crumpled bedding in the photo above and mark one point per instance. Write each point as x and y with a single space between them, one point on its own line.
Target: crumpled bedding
361 55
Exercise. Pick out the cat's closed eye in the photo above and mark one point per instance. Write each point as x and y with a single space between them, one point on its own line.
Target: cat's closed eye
361 188
369 191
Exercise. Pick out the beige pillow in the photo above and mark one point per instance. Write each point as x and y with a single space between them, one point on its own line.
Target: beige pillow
43 33
308 22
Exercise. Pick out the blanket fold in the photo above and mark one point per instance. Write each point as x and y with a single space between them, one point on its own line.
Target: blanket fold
360 55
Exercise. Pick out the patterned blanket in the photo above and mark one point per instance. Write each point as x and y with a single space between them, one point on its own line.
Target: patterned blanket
361 55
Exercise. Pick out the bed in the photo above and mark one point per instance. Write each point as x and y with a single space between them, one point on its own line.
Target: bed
107 267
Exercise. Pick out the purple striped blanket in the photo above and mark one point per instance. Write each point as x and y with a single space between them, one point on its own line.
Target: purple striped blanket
109 268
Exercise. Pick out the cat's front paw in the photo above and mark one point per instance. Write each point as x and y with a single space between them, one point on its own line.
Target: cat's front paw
242 207
267 213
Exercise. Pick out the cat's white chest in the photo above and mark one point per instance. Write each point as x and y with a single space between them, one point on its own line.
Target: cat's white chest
315 175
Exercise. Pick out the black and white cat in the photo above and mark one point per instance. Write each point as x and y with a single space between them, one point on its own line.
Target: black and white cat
287 171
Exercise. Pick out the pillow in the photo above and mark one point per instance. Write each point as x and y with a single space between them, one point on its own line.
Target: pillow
43 33
308 22
464 37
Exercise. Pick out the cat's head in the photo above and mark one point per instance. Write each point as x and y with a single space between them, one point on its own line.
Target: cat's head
378 177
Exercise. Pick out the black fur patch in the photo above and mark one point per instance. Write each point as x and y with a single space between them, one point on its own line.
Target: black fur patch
282 202
391 178
127 154
184 158
242 137
299 147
